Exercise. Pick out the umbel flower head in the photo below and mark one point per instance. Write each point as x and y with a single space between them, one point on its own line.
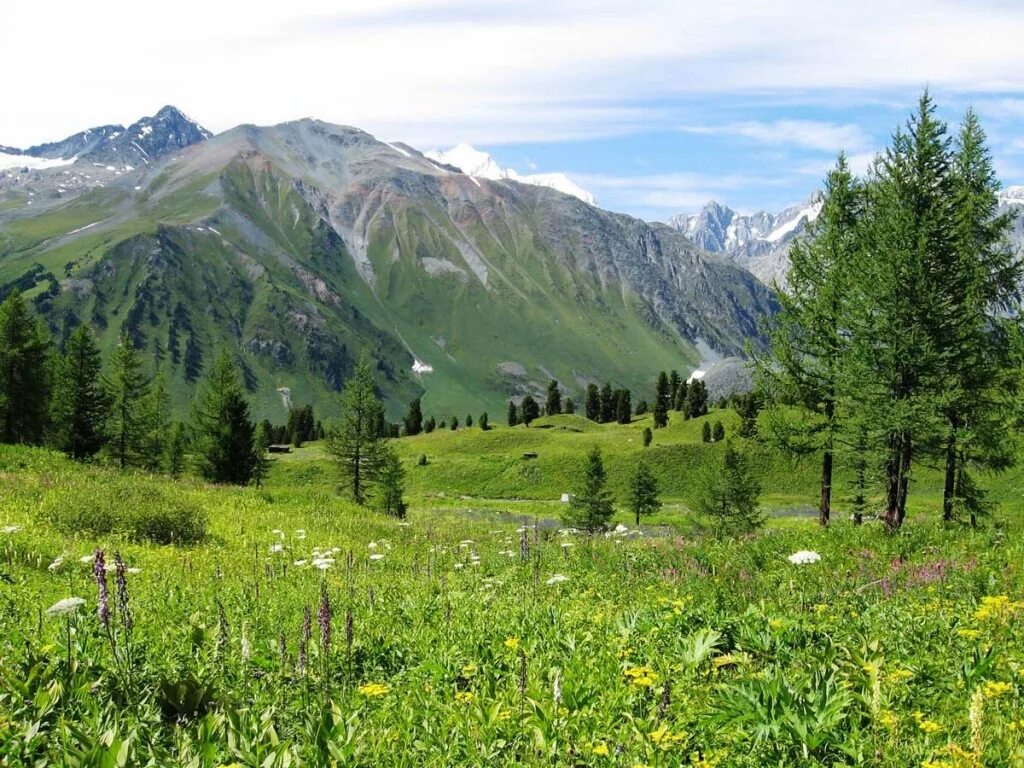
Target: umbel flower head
65 607
804 557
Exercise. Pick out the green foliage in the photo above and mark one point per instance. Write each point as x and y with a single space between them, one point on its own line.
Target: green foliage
390 486
513 414
592 403
414 418
528 410
354 441
261 448
607 404
175 452
554 400
24 373
484 423
728 494
570 406
705 432
643 496
718 432
127 390
590 506
469 420
662 400
696 400
222 431
156 416
623 406
429 425
648 436
679 403
80 402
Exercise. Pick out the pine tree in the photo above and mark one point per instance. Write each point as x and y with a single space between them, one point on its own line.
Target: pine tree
643 491
679 403
705 434
674 382
354 440
80 403
662 401
747 407
607 404
717 432
696 399
469 420
128 389
623 407
528 410
177 445
641 408
414 419
24 373
484 424
728 494
429 425
513 414
554 401
391 484
590 507
454 423
648 436
223 433
570 406
156 415
592 403
261 447
808 340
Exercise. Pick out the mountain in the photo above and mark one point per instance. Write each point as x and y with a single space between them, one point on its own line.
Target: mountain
143 142
757 242
298 245
482 166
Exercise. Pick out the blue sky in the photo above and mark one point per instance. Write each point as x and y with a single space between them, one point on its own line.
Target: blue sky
655 106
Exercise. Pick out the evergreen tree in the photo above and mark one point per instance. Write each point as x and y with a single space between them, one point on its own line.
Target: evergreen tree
570 406
648 436
354 440
429 425
177 445
607 404
728 494
528 410
717 432
80 402
301 425
643 491
484 424
391 484
221 427
705 433
454 423
623 407
156 416
554 401
641 408
696 399
513 414
747 407
808 341
469 420
592 403
24 373
128 389
590 507
674 381
662 401
414 419
261 447
679 403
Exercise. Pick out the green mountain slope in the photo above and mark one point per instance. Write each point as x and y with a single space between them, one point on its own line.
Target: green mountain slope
299 245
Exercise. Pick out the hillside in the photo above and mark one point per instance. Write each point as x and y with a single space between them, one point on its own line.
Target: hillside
298 245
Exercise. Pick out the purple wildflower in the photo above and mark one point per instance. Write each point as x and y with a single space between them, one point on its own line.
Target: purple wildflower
324 619
122 594
348 630
99 569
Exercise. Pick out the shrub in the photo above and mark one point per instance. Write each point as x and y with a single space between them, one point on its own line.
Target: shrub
127 505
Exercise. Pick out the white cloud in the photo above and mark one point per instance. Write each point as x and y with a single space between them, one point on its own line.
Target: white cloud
661 195
808 134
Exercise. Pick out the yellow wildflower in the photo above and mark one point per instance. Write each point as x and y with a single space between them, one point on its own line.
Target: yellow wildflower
969 634
600 749
512 643
997 608
993 690
899 676
929 726
469 670
465 697
888 719
373 690
641 677
776 623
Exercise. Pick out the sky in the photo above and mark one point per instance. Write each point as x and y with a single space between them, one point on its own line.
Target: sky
654 106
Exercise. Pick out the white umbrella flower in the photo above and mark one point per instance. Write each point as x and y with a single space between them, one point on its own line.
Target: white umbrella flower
804 557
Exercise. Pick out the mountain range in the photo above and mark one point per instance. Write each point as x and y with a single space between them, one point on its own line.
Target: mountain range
298 245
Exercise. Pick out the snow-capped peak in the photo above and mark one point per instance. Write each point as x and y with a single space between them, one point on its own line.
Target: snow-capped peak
1012 196
481 165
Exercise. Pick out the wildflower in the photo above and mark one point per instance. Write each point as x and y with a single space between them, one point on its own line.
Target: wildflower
372 545
997 608
556 687
976 715
377 557
512 643
65 607
100 572
86 559
459 566
469 670
899 676
374 690
888 719
641 677
348 630
324 618
279 533
600 749
56 564
969 634
558 578
465 697
299 563
276 548
804 557
993 690
122 593
9 529
929 726
246 646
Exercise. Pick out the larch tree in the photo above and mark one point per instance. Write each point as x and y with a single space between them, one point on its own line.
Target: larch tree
643 491
80 402
354 440
25 346
127 387
590 506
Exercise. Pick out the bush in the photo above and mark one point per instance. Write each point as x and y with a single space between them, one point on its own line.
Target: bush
126 505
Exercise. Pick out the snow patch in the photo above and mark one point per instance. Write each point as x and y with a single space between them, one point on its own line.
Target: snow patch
399 150
33 163
809 214
82 229
418 366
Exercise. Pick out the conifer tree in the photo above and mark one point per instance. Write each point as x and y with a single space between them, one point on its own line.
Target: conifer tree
679 403
705 433
662 400
429 425
513 414
553 405
528 410
590 507
223 433
728 494
717 432
24 373
570 406
643 491
469 420
641 408
261 448
80 403
484 424
674 381
389 494
177 445
696 399
454 423
414 419
128 389
623 407
648 436
355 440
592 403
156 415
607 404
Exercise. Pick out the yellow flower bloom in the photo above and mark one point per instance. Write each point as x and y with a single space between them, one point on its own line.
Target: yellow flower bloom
512 643
373 690
465 697
993 690
899 676
929 726
469 670
600 749
776 623
969 634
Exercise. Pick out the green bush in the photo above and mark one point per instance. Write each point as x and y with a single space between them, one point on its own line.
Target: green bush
128 505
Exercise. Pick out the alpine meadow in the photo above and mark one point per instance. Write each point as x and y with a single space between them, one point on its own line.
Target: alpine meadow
318 449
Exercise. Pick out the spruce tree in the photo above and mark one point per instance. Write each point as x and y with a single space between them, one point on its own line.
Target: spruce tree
717 432
662 400
643 491
679 403
553 405
696 399
641 408
648 436
529 410
429 425
391 484
592 403
728 494
80 402
355 440
607 404
570 406
156 415
454 423
261 448
414 419
623 407
24 373
128 388
177 445
469 420
705 432
223 433
513 414
484 424
590 507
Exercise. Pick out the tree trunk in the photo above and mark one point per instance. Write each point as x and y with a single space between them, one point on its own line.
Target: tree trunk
892 482
904 477
949 486
825 505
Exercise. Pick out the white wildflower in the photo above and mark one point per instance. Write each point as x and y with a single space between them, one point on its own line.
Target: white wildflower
275 548
377 556
803 557
299 563
558 578
66 606
87 559
57 563
10 529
